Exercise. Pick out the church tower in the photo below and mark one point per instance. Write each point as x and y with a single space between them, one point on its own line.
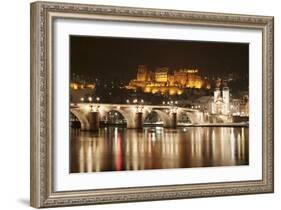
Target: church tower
225 100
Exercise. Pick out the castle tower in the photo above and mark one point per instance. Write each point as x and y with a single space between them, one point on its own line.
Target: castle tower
142 73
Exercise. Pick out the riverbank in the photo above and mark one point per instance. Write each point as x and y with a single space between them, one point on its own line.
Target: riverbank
241 124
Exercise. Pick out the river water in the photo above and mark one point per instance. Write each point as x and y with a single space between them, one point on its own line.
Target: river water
116 149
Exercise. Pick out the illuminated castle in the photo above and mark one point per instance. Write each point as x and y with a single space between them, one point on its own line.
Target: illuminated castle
161 81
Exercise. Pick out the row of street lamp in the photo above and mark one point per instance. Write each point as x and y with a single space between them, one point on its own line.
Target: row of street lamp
135 101
170 102
90 99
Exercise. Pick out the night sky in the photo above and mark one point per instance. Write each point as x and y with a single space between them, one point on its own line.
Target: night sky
118 58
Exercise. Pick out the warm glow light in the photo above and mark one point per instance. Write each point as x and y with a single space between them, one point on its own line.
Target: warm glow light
127 101
90 98
147 89
82 99
74 86
91 86
154 91
98 98
172 91
161 81
179 92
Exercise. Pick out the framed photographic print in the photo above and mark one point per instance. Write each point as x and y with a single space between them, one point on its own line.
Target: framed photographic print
135 104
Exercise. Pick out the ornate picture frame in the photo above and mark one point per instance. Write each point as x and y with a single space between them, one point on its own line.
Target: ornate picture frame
42 178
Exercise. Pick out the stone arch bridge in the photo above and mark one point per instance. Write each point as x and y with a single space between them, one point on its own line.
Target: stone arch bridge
90 114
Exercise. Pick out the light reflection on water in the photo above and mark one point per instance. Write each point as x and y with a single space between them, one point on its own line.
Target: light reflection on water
115 149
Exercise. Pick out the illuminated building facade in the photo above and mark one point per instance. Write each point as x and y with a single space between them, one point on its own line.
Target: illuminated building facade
161 81
77 86
161 75
239 107
221 102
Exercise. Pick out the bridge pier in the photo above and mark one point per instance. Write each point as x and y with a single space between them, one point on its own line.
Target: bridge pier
139 120
94 121
174 120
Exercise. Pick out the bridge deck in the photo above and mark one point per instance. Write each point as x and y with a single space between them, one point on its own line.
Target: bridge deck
76 105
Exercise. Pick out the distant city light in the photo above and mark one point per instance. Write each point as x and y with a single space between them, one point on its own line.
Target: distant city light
167 87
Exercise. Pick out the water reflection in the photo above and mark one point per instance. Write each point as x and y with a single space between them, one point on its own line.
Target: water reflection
115 149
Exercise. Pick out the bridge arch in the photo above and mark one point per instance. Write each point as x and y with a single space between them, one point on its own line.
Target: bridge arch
184 117
125 114
81 116
165 118
194 116
190 115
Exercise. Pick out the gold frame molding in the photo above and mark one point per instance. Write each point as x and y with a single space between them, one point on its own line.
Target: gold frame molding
42 17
